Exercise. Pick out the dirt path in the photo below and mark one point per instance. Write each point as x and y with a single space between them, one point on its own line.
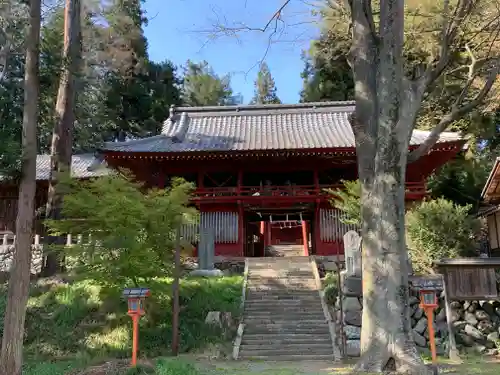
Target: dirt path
474 367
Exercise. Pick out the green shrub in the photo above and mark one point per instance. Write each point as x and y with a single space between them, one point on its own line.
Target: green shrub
331 287
439 229
331 294
128 234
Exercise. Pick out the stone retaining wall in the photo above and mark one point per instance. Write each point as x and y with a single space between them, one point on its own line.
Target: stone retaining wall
476 324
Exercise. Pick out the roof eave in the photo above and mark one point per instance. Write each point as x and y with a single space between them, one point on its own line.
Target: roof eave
490 178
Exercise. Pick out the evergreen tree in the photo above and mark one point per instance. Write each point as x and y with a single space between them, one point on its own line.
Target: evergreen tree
139 92
265 88
202 87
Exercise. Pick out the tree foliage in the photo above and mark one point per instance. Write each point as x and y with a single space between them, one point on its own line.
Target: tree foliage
120 91
428 226
438 229
265 88
328 76
348 200
202 87
128 235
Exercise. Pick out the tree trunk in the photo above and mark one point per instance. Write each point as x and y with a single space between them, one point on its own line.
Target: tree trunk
382 130
62 137
15 314
386 337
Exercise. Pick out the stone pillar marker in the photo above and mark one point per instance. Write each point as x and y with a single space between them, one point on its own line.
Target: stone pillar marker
352 251
206 251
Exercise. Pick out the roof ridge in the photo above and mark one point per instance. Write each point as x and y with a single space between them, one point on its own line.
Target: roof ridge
260 107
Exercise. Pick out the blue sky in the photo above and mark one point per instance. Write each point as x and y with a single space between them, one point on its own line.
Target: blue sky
179 30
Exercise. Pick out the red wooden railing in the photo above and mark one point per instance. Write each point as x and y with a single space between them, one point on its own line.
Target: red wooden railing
412 188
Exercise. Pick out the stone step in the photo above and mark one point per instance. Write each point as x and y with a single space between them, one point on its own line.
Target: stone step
292 337
278 286
291 358
276 297
326 341
273 304
316 311
281 289
258 329
283 321
264 274
296 294
297 347
284 299
292 315
279 310
284 357
279 278
281 282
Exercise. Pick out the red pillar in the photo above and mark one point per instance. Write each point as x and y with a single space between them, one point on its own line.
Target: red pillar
267 233
240 181
316 180
201 176
304 238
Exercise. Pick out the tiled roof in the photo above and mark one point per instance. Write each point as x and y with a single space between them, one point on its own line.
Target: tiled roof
81 167
257 127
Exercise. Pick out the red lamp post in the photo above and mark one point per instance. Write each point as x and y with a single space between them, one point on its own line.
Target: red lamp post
135 299
428 288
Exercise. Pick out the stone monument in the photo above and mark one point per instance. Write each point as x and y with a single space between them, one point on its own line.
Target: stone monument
206 252
352 251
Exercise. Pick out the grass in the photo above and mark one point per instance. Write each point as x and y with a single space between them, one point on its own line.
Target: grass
81 320
188 365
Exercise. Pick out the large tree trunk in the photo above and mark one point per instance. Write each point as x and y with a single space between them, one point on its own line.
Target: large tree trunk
382 131
62 136
15 314
386 338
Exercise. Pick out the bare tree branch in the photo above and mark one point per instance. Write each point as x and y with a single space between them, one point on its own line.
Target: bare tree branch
459 109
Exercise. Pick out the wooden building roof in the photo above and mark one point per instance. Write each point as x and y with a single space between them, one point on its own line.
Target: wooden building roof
491 190
308 126
82 166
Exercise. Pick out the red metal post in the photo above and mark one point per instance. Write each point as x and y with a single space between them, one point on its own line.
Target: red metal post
135 338
305 238
432 342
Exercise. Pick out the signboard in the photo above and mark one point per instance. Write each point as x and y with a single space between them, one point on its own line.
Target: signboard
427 282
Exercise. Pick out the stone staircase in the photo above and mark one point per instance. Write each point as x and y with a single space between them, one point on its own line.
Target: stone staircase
285 250
283 316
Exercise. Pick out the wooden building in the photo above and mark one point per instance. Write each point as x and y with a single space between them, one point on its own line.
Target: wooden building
80 168
261 171
491 208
